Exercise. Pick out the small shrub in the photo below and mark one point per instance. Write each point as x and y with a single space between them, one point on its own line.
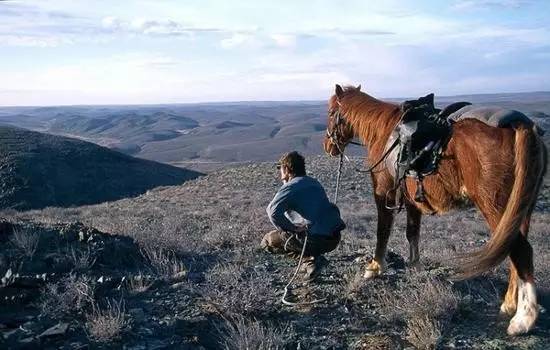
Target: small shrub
163 262
425 304
138 284
26 241
353 279
237 290
82 260
66 297
423 331
240 333
107 324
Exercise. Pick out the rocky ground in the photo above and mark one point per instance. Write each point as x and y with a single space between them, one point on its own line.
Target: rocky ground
180 267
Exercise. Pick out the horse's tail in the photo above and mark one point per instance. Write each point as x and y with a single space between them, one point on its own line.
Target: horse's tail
530 164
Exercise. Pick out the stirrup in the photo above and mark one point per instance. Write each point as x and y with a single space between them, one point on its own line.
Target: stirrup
398 199
419 195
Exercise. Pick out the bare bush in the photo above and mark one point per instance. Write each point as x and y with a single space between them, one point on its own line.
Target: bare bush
163 262
237 290
82 260
427 305
424 332
66 297
25 240
240 333
138 284
353 279
107 324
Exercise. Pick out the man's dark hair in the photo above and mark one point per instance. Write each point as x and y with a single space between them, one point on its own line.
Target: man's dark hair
294 162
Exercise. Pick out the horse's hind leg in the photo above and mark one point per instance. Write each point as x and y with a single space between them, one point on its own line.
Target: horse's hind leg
385 220
413 233
522 258
509 305
527 307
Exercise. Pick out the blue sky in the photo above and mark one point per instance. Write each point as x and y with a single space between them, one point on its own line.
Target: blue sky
168 51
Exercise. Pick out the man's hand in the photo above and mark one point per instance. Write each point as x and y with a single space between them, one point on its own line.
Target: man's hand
301 228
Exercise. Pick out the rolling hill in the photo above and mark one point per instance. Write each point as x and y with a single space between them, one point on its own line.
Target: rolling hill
39 170
197 134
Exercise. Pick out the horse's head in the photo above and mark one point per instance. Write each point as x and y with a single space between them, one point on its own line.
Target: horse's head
339 132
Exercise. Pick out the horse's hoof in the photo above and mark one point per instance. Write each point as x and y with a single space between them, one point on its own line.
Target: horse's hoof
523 321
520 325
373 270
370 274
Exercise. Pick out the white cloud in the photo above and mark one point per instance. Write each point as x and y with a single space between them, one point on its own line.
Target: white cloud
33 40
488 4
238 39
284 40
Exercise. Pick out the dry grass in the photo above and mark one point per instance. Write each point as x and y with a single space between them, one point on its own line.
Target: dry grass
107 324
240 333
66 297
424 331
425 304
238 290
352 282
26 241
138 284
82 260
163 263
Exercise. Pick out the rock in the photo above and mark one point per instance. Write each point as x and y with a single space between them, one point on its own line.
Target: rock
57 330
7 277
13 334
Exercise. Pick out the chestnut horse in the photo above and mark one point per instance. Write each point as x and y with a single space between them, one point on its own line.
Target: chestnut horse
499 169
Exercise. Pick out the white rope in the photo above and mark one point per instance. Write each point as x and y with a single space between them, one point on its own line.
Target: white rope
291 303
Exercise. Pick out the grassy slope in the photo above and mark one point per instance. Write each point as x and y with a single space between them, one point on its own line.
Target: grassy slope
215 223
39 170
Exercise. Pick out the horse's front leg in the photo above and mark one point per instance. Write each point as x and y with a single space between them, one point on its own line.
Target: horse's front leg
413 233
385 220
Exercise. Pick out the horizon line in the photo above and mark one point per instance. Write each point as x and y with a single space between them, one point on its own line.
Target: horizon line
254 101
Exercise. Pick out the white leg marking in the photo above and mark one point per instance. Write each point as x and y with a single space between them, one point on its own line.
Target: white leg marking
374 269
527 311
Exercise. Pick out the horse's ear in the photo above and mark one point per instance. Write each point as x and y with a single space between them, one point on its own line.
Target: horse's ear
339 91
358 88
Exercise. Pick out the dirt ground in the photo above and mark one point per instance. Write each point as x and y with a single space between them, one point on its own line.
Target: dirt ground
180 267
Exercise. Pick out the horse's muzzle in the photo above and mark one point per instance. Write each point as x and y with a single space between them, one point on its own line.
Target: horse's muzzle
330 148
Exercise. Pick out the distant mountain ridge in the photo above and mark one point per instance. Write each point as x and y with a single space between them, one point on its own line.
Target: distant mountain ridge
221 132
39 170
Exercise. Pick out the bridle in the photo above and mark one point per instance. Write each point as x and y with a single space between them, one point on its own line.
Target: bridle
334 138
338 124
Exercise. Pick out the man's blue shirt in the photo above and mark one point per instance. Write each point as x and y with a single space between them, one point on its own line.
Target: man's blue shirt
304 195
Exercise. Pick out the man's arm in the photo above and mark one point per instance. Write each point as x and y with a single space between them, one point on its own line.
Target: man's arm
277 208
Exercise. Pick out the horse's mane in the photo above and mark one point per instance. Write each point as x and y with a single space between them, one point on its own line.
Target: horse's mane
367 115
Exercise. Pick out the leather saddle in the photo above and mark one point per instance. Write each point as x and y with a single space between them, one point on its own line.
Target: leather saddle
421 136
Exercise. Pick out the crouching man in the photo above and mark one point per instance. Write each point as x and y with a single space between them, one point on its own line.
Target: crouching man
301 208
